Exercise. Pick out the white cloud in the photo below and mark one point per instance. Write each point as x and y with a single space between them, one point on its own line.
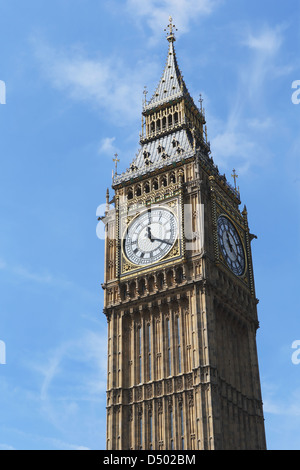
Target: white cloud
107 146
106 83
232 145
267 41
26 274
265 45
260 124
156 13
45 278
284 406
72 376
6 447
63 361
241 138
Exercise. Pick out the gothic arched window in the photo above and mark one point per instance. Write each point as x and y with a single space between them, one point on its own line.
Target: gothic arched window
164 181
172 178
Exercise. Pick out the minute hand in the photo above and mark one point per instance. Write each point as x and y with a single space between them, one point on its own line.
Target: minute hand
160 240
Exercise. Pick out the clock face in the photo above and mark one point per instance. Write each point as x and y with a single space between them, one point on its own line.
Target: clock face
231 246
150 236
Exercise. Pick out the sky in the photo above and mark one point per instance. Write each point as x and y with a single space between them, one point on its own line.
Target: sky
72 78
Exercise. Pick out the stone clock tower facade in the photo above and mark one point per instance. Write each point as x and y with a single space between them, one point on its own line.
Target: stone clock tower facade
179 290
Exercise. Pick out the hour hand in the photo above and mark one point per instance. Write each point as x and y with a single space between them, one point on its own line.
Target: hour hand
149 233
229 243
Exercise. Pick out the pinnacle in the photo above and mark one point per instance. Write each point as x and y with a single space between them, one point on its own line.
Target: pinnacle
171 84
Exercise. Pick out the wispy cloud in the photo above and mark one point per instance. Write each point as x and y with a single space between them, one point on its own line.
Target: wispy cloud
264 46
238 138
107 146
90 349
105 83
6 447
156 13
42 278
27 274
70 375
267 41
277 404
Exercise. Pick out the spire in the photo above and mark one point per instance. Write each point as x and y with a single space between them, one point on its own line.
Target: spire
171 84
172 124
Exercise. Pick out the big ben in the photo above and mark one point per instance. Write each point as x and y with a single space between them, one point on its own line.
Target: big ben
179 293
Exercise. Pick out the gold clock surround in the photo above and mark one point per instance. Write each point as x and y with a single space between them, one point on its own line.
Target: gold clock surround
127 268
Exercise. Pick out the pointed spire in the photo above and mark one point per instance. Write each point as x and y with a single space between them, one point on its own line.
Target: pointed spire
171 84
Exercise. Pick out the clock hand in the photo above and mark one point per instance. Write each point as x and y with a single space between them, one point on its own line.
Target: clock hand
149 235
160 240
229 242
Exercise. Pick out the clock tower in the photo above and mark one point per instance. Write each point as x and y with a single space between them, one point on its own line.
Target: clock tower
179 292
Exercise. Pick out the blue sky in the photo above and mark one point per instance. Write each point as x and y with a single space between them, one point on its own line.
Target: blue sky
74 73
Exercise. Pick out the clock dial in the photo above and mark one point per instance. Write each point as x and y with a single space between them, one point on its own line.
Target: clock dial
150 236
231 246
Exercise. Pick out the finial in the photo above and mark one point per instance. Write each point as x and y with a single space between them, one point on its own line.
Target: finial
145 93
201 102
107 202
116 163
235 176
171 37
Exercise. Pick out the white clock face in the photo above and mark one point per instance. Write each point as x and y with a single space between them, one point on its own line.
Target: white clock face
231 246
150 236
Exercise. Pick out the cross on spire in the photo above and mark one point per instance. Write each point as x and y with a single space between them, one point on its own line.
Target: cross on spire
170 26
